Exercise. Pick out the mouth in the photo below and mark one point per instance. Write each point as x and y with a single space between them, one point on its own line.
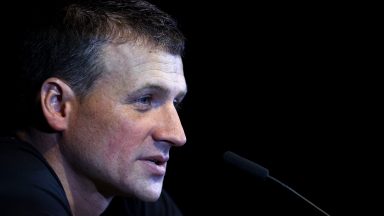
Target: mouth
155 165
157 162
157 159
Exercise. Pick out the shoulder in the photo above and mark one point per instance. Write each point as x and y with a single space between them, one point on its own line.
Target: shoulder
164 206
27 184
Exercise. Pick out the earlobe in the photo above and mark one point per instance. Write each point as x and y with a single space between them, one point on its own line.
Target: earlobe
56 102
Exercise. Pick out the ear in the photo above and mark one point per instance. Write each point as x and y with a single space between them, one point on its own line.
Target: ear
57 103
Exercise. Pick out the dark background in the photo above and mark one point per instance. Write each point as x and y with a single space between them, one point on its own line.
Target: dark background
289 86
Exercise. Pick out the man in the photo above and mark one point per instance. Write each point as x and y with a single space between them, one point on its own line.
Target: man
104 80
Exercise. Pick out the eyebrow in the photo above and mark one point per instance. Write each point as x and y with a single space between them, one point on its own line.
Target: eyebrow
159 88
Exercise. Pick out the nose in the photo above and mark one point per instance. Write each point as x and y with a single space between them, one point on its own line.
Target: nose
169 127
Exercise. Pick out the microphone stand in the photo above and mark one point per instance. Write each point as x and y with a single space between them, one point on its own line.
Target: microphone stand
261 172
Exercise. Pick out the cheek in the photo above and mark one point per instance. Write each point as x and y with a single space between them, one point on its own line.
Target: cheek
126 138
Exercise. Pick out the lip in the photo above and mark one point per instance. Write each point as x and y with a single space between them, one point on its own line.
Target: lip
155 165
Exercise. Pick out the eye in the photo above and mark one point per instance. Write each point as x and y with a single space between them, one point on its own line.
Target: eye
177 104
144 102
147 99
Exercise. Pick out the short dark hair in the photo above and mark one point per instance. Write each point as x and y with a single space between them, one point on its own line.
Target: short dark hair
66 40
69 45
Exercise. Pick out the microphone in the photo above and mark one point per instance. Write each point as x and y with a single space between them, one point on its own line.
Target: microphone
260 172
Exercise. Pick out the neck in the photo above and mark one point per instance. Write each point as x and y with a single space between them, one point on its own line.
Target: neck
83 196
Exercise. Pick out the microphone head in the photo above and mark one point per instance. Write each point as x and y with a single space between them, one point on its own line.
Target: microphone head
246 165
260 172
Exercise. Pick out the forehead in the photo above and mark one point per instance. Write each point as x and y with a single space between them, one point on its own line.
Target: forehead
141 65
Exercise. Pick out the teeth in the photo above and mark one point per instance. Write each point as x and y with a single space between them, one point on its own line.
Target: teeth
155 161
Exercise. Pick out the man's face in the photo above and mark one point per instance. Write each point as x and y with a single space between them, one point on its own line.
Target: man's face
120 134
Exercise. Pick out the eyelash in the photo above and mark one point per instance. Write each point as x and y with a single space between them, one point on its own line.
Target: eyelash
146 102
147 99
177 104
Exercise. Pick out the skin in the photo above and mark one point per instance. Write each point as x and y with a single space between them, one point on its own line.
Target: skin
116 140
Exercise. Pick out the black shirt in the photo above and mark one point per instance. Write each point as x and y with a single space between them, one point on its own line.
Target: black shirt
29 186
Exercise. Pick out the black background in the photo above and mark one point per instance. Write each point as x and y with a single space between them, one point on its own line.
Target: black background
290 86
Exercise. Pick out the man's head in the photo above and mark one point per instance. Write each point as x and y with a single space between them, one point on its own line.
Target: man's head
68 44
106 77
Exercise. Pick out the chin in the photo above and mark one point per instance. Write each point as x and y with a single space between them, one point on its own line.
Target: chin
149 193
147 196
